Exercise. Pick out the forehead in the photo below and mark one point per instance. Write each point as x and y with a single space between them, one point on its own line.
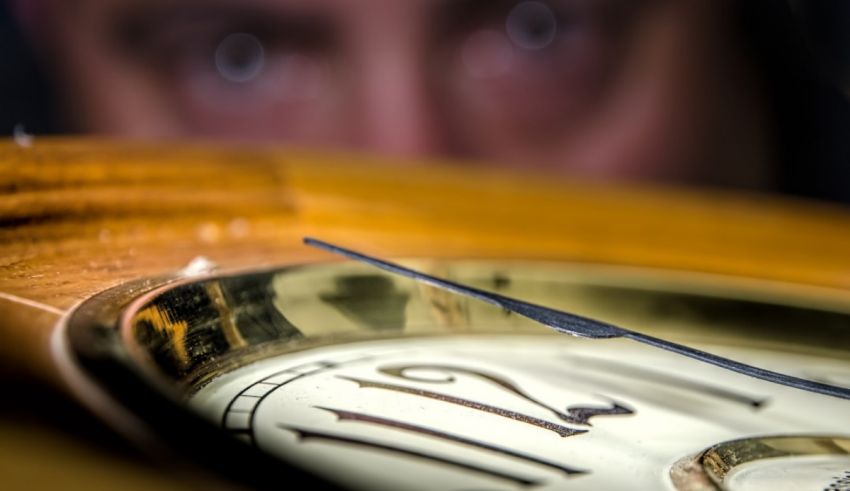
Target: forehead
343 8
378 19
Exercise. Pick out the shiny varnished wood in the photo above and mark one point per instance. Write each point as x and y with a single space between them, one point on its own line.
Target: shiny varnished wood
80 216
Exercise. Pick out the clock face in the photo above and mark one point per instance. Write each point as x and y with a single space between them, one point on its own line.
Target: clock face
501 412
373 381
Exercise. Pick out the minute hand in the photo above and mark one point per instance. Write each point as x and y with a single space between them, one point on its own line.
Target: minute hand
584 327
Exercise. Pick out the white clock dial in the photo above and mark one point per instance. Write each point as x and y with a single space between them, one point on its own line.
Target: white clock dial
502 412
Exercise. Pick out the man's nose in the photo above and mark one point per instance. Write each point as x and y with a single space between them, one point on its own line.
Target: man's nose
399 111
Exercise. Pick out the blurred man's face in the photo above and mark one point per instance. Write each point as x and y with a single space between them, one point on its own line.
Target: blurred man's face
612 88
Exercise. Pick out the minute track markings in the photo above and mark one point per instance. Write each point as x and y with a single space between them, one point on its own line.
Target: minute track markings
296 371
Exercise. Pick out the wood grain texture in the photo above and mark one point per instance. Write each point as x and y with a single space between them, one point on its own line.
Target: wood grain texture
80 216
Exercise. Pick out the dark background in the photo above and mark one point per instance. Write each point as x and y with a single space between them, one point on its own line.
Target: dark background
801 48
25 97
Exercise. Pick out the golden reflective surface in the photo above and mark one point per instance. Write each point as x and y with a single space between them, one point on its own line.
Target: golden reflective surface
192 329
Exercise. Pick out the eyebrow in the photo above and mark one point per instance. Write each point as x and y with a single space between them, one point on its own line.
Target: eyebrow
136 21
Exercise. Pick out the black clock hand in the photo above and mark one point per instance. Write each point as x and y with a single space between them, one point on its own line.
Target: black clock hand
576 325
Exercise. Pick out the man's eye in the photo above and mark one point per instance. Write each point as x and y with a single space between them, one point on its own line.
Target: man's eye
239 57
526 40
528 68
531 25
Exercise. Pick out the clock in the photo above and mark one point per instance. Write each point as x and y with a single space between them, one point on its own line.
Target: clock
181 307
